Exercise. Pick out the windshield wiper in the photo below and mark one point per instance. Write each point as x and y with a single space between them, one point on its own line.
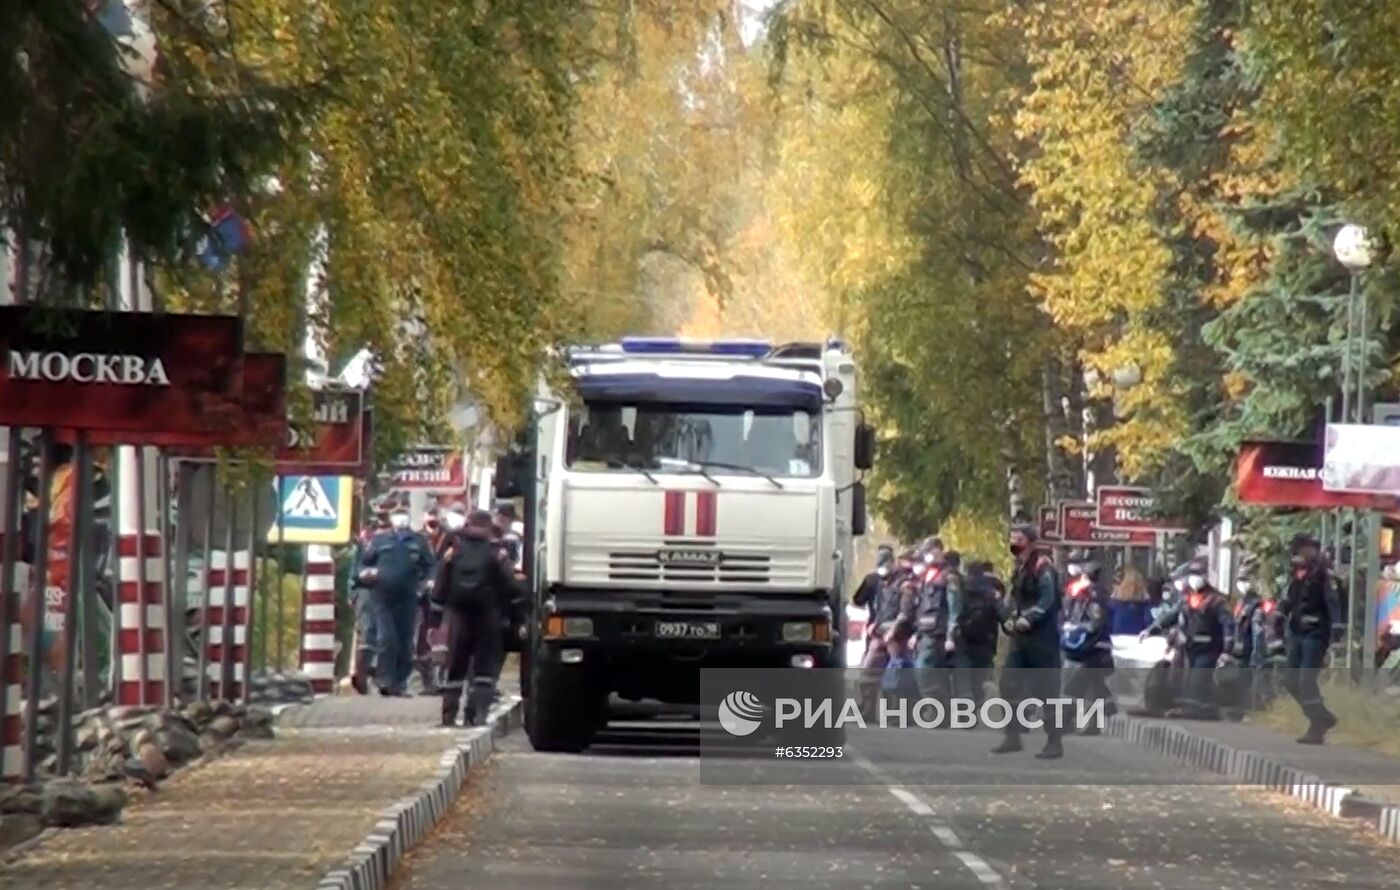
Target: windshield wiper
691 465
718 465
614 464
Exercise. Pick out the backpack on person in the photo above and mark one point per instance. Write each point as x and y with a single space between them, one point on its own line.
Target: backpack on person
978 622
474 572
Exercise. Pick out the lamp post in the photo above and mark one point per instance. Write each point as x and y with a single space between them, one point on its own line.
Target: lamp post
1355 250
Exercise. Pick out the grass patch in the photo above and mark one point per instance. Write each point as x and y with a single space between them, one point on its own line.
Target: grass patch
1367 720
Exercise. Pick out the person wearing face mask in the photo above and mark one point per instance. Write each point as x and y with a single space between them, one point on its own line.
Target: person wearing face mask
362 599
1030 617
868 592
1203 619
1314 615
402 561
940 598
884 607
1085 641
1235 680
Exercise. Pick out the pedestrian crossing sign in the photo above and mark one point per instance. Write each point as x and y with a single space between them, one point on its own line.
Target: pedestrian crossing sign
312 510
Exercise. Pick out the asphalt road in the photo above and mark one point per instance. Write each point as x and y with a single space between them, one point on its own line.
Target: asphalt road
912 809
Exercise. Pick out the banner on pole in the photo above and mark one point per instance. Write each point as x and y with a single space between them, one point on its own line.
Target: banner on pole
313 510
255 416
1050 523
1079 527
1289 474
1362 459
136 373
436 469
1129 508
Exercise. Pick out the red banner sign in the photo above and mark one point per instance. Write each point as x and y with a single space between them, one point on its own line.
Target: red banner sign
431 468
1126 508
1079 527
338 443
1049 523
1289 474
122 372
255 416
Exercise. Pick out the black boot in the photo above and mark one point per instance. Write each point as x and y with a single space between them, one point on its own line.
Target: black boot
1053 749
1010 744
1317 729
451 701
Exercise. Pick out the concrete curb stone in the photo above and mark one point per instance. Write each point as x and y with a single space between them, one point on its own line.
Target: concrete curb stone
406 823
1254 768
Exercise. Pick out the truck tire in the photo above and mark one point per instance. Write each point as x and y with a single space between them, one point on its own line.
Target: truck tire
558 712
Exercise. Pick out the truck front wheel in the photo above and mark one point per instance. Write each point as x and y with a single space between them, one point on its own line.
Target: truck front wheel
558 712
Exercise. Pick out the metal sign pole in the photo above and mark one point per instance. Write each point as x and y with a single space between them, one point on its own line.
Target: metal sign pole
281 577
86 571
78 545
35 677
253 500
180 578
141 580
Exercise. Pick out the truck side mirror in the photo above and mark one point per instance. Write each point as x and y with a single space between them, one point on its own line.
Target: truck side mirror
858 509
511 468
865 446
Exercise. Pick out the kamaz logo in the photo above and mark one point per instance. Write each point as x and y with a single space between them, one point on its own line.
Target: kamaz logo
701 558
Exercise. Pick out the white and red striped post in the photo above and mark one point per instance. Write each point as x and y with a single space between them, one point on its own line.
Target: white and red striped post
318 619
11 680
141 582
221 597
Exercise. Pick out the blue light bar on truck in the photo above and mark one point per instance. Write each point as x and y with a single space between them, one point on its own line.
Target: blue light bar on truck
677 346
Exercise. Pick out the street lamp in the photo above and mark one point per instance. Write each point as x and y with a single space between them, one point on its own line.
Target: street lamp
1354 249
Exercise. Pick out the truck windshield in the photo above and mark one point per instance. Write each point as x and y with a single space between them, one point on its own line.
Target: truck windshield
777 441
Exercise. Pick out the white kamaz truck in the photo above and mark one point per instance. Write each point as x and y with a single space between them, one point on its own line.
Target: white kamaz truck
687 505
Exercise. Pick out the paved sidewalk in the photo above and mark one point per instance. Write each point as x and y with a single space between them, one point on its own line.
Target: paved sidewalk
1374 776
271 815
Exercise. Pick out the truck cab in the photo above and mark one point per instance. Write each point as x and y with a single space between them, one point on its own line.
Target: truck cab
688 505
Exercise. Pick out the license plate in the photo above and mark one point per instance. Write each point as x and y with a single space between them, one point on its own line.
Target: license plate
688 630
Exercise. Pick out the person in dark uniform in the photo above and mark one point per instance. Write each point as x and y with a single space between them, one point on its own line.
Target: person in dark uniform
1030 617
1313 612
477 582
1085 641
974 631
402 561
939 599
884 612
1235 679
1203 619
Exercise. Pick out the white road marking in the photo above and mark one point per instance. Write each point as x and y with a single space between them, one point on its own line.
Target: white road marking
946 836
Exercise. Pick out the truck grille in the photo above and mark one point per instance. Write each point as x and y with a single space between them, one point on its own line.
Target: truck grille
626 565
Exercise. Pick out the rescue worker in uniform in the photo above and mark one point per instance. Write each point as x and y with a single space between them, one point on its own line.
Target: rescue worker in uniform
1085 641
867 594
939 599
884 612
476 583
361 597
436 536
1269 655
1030 618
1203 618
974 632
1235 680
1313 611
402 562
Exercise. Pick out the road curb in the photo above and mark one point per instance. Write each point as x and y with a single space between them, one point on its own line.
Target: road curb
1253 768
406 823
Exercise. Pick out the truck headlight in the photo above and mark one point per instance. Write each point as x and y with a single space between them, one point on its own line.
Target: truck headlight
568 626
798 632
